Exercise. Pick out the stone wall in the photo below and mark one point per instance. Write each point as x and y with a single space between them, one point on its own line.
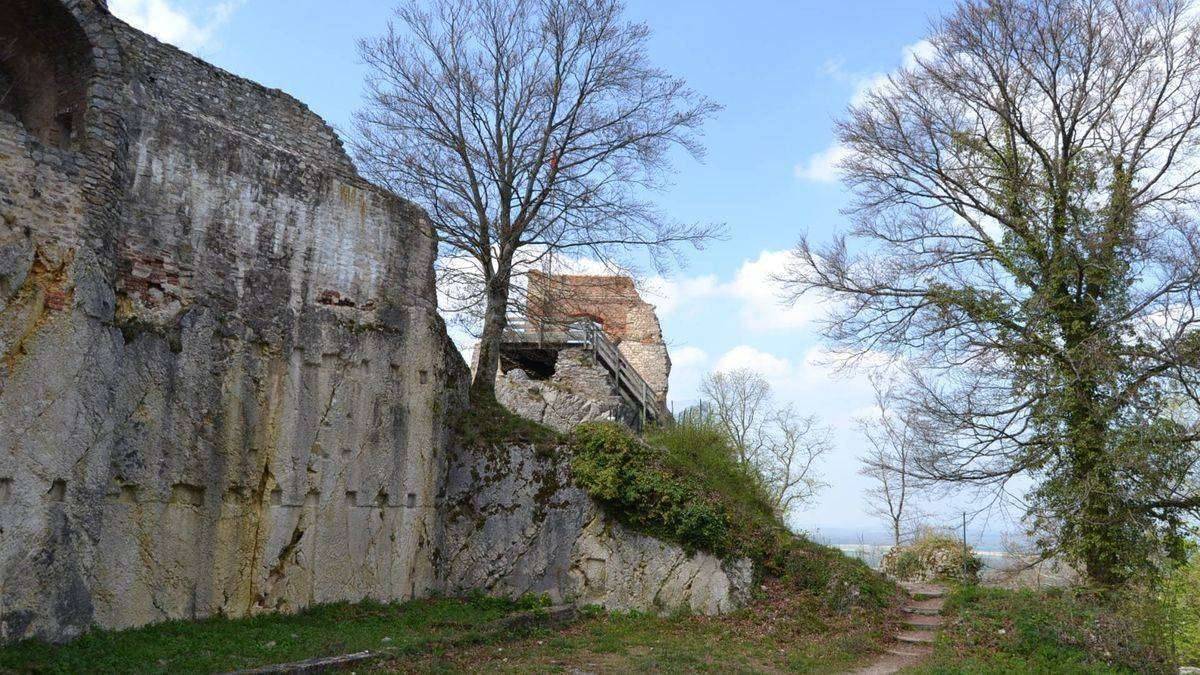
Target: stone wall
514 524
222 374
614 303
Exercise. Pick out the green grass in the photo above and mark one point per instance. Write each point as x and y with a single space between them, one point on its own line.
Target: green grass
684 484
784 631
219 644
991 630
486 423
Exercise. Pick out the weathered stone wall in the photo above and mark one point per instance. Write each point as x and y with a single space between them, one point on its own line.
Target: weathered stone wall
614 303
222 375
515 524
580 390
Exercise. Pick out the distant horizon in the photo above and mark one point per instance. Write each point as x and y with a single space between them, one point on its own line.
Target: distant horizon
849 536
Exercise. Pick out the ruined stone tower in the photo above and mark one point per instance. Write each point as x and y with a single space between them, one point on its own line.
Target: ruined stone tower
614 303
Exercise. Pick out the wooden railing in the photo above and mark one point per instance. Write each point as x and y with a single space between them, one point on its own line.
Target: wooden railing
589 334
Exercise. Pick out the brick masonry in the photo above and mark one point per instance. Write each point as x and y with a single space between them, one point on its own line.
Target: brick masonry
614 303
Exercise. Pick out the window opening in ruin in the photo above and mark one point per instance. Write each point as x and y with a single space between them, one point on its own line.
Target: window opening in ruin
580 317
537 364
64 123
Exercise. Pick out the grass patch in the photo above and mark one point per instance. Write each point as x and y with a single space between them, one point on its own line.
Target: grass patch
991 630
486 423
220 645
684 484
784 631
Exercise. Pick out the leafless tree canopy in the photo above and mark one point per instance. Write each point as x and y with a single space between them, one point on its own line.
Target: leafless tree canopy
788 460
740 402
1024 233
891 442
780 445
526 128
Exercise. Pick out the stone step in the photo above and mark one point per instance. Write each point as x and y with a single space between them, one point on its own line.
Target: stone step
923 622
919 637
889 664
935 604
924 591
911 651
922 611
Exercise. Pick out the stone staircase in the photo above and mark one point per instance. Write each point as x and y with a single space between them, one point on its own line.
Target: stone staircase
922 620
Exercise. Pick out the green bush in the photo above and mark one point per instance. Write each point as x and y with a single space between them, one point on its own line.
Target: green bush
932 556
646 491
684 484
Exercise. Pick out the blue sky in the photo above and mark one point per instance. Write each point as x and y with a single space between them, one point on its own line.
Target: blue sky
784 70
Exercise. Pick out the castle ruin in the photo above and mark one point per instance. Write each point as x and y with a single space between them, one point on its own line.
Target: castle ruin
224 385
589 348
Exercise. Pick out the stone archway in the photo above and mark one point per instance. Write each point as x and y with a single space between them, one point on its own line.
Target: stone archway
45 69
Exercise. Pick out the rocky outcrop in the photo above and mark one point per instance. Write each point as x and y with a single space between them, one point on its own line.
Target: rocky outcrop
580 390
223 380
515 524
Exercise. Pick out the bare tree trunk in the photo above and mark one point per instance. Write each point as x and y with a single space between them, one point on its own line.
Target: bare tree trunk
495 321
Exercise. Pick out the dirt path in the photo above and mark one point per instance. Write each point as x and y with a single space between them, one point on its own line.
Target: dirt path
922 619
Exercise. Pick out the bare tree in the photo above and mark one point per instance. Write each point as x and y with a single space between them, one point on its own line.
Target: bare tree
740 402
779 445
787 461
1025 234
891 445
525 128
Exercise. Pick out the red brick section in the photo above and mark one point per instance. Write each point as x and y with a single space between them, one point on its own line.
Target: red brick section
562 298
56 299
153 281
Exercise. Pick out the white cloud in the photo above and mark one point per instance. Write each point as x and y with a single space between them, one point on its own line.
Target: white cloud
823 166
751 358
175 25
764 308
688 357
670 295
761 306
910 56
922 50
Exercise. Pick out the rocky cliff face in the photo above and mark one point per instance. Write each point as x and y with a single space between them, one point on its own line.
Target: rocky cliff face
222 374
515 524
224 385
